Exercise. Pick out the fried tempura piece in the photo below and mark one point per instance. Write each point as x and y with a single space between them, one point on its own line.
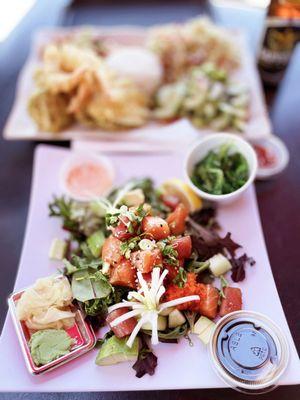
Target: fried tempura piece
68 58
86 90
49 111
122 107
181 46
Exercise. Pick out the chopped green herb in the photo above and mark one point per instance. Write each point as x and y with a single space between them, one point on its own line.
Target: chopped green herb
224 284
129 246
180 278
198 266
221 172
112 220
170 255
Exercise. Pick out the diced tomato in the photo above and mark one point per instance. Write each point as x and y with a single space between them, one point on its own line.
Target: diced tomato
111 251
121 231
176 219
232 301
183 246
155 227
123 274
170 201
209 296
145 260
123 328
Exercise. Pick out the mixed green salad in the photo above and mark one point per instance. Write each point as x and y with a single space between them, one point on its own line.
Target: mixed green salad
221 171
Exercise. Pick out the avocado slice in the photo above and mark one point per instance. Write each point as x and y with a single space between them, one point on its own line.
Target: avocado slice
115 350
95 243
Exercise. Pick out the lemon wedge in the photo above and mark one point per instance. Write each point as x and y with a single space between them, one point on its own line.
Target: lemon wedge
176 187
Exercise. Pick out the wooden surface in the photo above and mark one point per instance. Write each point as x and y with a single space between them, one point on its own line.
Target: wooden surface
279 200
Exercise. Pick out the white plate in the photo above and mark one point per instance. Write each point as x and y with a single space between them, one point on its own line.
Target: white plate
179 366
21 126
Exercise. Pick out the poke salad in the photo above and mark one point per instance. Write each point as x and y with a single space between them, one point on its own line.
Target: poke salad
147 263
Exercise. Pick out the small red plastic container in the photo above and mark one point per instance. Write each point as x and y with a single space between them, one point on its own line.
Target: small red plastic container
81 332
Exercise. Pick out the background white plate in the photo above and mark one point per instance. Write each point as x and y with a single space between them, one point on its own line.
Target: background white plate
179 366
21 126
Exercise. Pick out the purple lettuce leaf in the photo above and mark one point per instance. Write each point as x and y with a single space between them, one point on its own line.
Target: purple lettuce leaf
147 361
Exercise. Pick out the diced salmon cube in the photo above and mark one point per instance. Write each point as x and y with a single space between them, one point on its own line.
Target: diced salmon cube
111 251
123 274
209 298
232 301
146 260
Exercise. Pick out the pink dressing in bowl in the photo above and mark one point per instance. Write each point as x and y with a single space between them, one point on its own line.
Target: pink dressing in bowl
86 176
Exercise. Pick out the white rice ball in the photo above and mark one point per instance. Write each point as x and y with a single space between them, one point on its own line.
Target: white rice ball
139 64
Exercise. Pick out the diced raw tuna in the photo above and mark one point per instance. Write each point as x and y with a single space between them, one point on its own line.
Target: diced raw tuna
123 328
121 231
155 227
170 201
183 246
176 219
172 269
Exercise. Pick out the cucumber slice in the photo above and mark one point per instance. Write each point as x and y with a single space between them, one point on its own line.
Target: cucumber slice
219 264
176 318
166 311
161 324
95 243
206 335
201 325
57 249
115 351
203 328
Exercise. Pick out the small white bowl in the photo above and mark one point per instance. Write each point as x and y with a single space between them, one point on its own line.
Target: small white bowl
77 158
213 142
278 149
